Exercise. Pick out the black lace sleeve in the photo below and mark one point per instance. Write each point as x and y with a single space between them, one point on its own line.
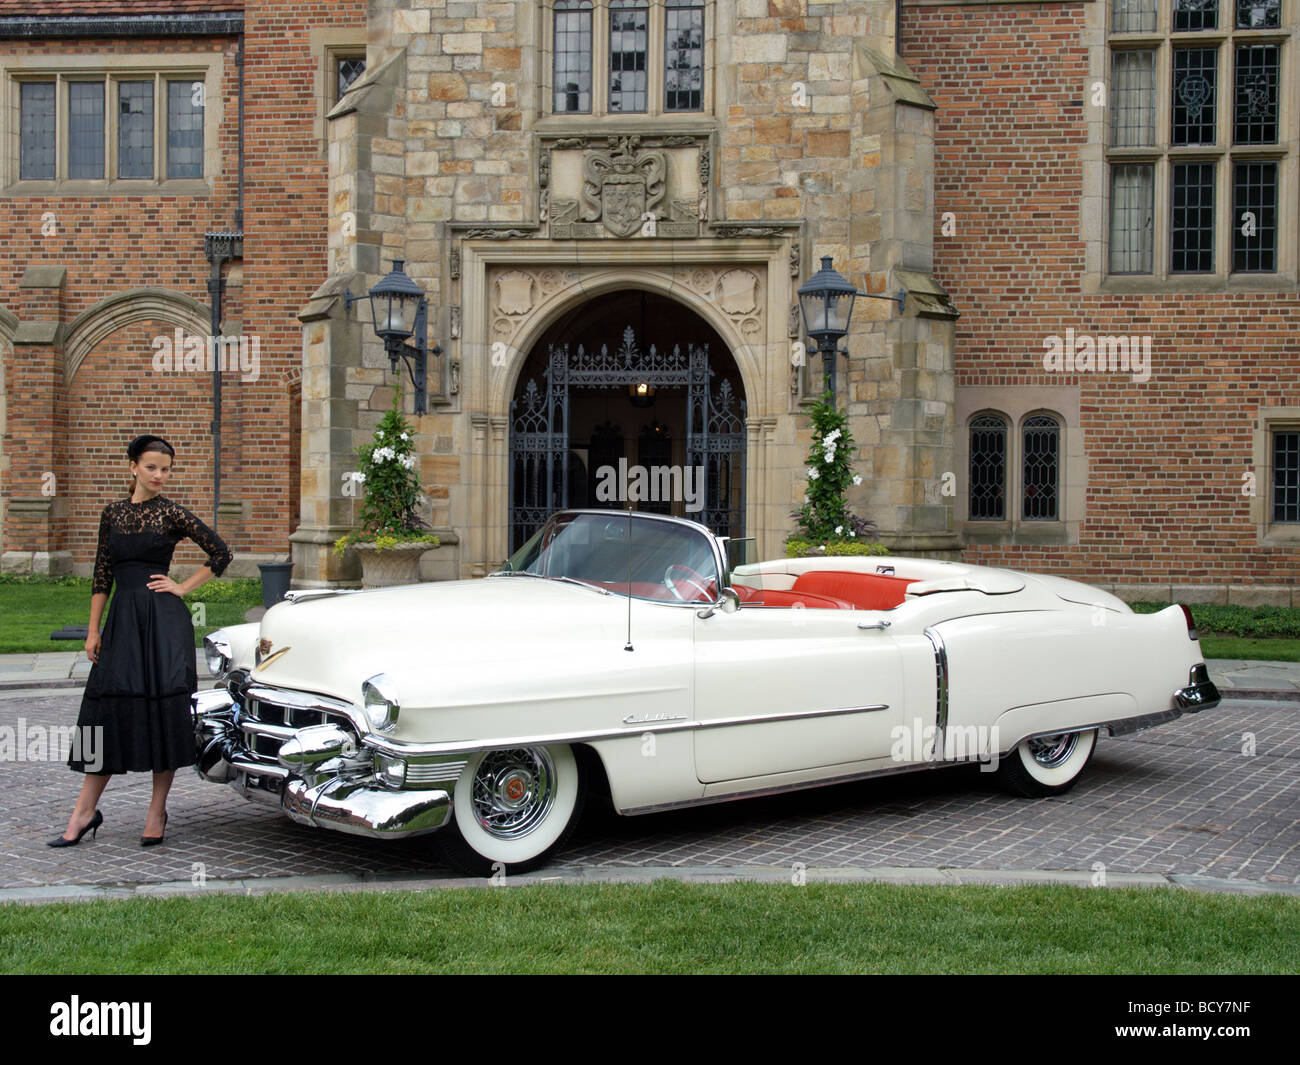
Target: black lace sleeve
209 542
103 573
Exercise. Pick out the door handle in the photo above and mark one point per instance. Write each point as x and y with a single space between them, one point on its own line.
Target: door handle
881 624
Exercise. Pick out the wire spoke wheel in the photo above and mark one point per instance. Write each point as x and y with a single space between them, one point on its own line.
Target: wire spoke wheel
512 809
1049 764
514 791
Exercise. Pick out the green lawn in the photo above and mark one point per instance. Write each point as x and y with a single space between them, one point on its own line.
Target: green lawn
1260 650
665 927
32 607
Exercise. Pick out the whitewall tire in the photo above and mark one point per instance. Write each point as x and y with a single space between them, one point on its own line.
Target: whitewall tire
512 810
1047 765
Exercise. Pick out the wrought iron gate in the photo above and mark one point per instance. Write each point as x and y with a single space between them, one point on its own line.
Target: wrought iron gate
544 469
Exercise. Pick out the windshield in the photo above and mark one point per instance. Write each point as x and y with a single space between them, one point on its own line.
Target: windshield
666 560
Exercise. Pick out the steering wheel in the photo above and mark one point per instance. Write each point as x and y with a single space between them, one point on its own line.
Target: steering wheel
691 578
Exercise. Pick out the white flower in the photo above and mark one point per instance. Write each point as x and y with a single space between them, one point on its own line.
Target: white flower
406 436
409 461
358 476
805 499
857 479
852 533
813 473
839 530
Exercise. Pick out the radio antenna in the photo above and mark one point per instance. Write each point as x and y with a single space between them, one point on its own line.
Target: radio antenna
628 645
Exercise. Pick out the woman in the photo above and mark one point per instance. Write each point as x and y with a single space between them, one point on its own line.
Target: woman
138 692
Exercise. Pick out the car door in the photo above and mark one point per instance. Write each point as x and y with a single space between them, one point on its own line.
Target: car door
784 689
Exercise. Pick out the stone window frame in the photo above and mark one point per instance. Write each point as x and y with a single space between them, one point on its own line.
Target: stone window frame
1015 405
1098 157
655 112
110 68
328 46
1269 420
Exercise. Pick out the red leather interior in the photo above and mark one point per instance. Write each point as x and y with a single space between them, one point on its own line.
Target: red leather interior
811 600
863 591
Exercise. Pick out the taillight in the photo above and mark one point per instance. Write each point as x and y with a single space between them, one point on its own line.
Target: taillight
1191 624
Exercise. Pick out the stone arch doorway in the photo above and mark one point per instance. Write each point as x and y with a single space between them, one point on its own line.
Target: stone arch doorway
630 399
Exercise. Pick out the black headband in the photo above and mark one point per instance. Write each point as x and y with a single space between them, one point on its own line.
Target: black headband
141 444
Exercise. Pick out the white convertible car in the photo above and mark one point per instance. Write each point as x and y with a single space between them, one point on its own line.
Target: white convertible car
615 651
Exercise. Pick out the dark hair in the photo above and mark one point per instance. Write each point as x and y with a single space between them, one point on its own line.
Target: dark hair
139 446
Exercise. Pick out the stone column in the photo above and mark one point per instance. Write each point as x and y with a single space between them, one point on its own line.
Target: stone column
37 509
902 379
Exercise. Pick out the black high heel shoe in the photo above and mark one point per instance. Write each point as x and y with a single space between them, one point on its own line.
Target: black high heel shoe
151 841
92 828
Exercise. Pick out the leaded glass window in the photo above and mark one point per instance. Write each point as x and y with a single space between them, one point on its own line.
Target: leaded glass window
1133 16
1192 218
86 130
135 123
1195 15
1254 217
684 55
988 468
1258 14
1133 99
1286 477
1041 461
346 71
36 143
1254 104
1132 206
629 29
1195 78
184 129
571 78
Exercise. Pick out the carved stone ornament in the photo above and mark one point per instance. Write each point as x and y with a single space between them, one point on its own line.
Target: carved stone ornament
621 187
737 292
455 264
514 292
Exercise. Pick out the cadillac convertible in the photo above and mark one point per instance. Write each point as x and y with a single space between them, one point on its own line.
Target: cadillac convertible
618 652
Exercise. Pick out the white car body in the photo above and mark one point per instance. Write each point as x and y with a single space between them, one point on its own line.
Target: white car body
514 694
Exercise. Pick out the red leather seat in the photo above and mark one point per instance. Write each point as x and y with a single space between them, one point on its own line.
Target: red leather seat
811 600
863 591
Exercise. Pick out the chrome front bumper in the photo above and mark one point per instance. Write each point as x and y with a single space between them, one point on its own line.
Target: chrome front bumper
342 794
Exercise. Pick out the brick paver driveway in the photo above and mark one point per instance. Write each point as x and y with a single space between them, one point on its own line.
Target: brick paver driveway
1187 798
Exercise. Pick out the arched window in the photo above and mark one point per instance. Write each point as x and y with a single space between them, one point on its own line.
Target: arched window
1041 464
988 468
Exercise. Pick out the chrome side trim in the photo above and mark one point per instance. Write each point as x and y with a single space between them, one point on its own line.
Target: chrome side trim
941 688
634 731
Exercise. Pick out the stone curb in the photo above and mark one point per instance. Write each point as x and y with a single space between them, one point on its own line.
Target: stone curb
643 875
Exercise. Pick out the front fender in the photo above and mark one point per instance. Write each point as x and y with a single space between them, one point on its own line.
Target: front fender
242 641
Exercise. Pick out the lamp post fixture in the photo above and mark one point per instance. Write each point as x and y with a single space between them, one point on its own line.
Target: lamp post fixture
399 312
826 300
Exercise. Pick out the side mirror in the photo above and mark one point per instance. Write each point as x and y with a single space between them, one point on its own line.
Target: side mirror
729 603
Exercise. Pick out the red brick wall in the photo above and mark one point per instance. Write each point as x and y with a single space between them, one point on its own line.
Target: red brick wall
1165 458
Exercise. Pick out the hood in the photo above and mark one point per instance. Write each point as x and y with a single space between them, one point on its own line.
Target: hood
443 642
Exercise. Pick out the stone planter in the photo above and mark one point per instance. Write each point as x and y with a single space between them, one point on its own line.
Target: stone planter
399 564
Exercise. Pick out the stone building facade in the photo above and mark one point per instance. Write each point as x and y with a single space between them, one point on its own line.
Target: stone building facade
639 188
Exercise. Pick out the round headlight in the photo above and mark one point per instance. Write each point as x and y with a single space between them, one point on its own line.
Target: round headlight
380 698
217 651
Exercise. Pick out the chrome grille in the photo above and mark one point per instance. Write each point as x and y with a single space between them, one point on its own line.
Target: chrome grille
265 725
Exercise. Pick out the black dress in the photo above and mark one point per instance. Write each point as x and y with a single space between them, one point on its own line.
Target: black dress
139 690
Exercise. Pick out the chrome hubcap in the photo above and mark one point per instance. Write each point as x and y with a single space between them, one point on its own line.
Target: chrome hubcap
513 791
1051 751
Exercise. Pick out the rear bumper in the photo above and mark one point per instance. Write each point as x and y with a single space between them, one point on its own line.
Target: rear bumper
1200 693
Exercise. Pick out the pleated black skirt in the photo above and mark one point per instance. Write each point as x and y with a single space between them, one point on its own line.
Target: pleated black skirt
137 697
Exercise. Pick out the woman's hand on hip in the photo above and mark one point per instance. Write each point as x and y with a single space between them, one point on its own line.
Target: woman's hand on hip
160 582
